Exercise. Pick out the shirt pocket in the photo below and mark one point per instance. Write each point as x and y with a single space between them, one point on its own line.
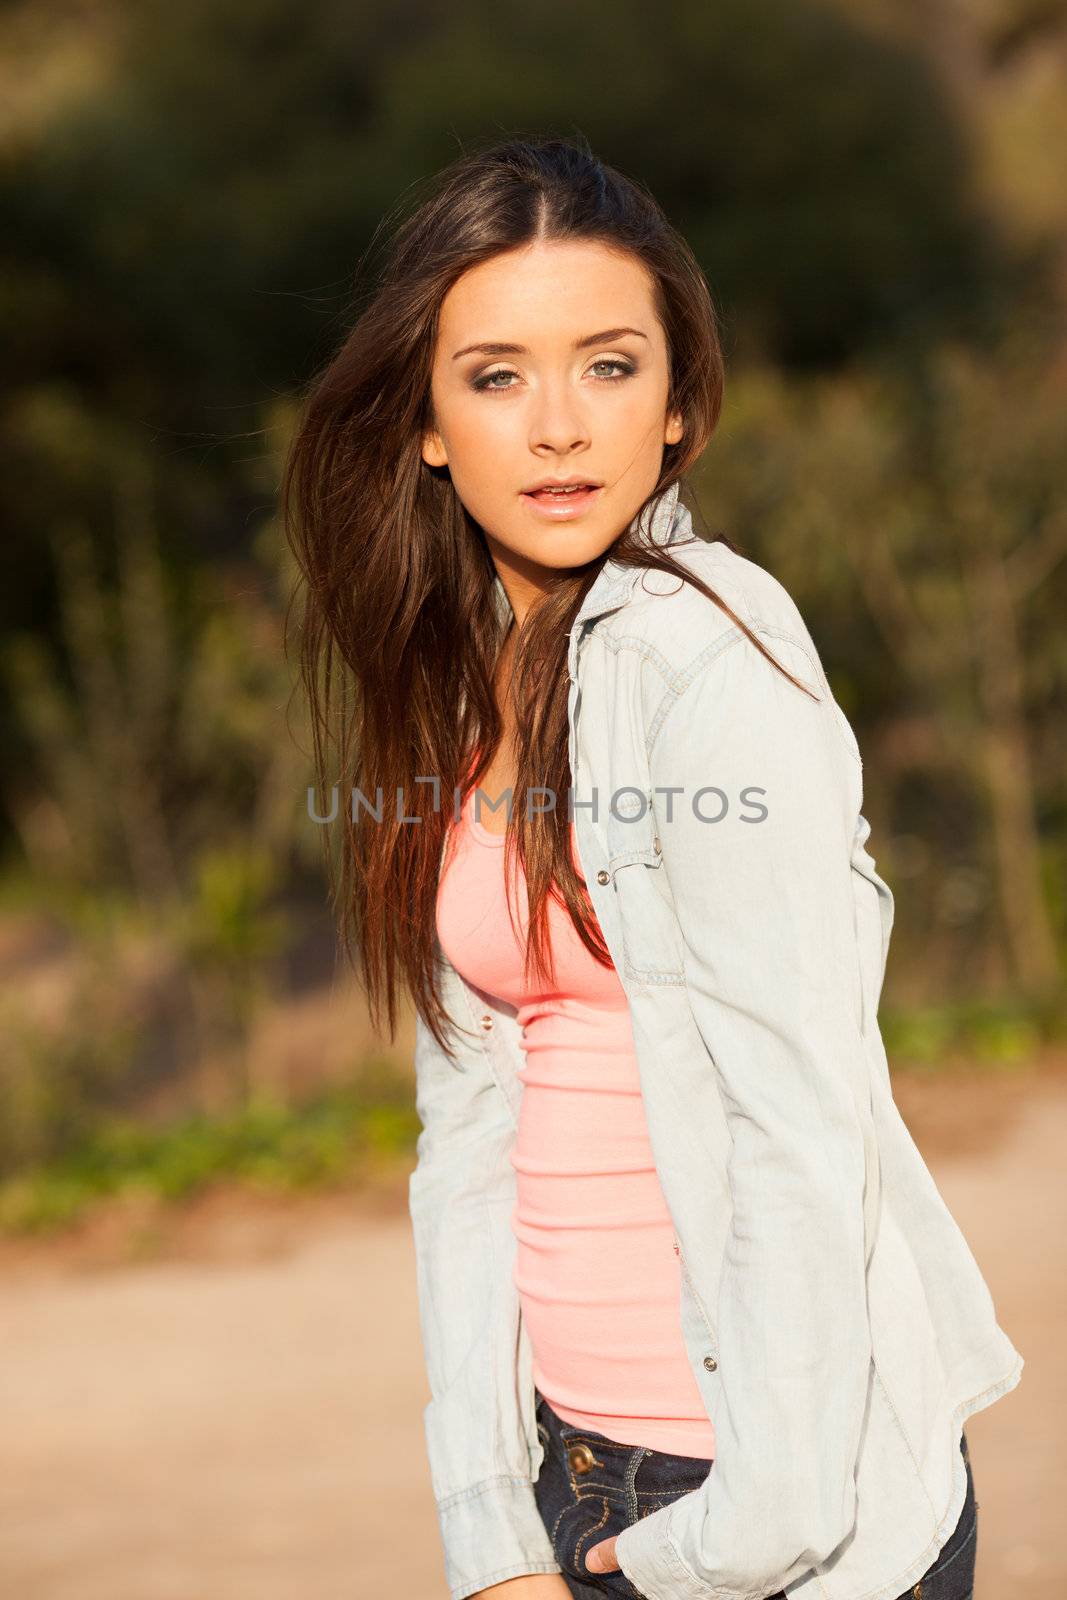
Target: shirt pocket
651 937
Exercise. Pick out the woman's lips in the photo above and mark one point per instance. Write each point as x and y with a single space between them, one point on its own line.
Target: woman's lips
550 503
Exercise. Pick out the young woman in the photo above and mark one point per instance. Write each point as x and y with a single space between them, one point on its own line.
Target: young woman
697 1323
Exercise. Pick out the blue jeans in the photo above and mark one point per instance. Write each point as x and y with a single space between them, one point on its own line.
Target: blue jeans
590 1488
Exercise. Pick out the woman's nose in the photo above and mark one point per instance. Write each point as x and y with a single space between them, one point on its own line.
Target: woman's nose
559 423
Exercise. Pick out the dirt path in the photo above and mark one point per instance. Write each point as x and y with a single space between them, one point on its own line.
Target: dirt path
240 1417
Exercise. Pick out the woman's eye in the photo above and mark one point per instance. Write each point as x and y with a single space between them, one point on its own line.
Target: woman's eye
486 382
625 368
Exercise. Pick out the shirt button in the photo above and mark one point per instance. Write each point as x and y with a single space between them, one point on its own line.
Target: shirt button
657 847
487 1022
603 877
711 1363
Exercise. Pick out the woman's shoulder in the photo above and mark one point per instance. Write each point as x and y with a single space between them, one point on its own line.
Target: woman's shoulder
673 619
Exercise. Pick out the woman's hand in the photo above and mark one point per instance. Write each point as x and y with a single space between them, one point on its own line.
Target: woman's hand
532 1586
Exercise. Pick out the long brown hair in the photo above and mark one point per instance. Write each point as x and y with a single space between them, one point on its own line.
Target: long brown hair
400 636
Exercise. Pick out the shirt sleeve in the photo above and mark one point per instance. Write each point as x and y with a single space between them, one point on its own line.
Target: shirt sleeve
460 1198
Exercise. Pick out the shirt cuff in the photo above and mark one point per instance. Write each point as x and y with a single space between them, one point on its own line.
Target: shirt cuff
490 1532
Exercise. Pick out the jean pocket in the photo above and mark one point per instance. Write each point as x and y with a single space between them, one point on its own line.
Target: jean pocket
669 1477
580 1525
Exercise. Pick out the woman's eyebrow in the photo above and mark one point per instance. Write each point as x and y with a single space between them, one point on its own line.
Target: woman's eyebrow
498 349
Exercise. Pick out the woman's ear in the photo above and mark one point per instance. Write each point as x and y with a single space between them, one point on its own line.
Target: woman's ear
433 450
674 429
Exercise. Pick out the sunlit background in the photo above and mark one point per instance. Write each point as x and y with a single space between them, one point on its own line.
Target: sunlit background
212 1383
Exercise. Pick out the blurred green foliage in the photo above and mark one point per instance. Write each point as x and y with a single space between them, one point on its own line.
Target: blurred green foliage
973 1033
331 1139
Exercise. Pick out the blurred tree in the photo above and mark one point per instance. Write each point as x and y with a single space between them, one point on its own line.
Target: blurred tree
164 770
928 504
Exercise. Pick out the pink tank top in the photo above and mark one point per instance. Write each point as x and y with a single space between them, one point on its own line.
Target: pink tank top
595 1268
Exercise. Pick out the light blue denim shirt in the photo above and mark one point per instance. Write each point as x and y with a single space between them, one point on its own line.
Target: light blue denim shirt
836 1322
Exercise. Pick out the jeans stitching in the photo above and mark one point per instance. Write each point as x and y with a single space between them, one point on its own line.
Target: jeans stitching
595 1488
588 1534
555 1526
676 1489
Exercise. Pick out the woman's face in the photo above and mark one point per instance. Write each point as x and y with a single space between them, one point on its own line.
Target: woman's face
580 393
